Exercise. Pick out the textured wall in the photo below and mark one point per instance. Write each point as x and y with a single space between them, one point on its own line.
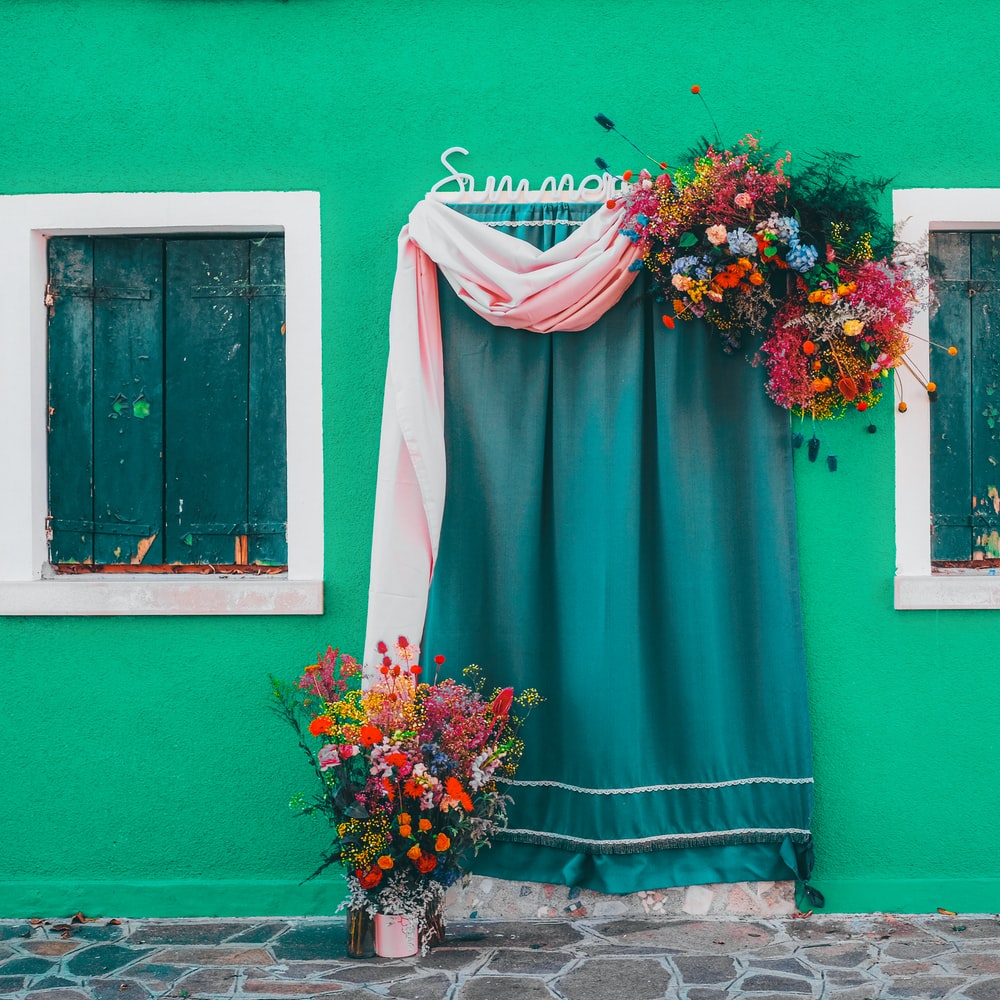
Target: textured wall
142 772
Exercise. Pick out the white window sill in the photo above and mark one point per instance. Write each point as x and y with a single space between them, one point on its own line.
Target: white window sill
947 593
162 595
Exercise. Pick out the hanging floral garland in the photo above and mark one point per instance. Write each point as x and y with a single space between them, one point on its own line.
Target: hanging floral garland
805 261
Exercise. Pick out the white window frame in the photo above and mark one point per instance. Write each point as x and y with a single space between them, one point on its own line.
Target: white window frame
27 585
918 212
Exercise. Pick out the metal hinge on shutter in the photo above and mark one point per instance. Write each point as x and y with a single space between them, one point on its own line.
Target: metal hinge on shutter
101 293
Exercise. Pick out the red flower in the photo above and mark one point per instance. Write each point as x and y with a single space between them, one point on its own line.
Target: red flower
426 863
439 659
370 735
502 702
396 759
382 647
321 724
668 322
370 878
402 641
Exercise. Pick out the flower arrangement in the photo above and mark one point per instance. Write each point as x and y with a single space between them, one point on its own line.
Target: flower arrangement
408 771
804 261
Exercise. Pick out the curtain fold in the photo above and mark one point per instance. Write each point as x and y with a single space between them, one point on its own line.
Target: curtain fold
509 282
619 533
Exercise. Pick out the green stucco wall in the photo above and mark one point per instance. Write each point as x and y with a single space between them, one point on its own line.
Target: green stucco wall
140 770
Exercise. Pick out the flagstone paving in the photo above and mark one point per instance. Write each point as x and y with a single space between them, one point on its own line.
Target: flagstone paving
873 957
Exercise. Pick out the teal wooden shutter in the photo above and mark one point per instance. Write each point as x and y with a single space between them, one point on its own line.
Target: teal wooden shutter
965 415
167 389
105 399
71 399
267 500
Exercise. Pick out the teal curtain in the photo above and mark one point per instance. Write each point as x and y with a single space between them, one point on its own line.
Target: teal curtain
619 533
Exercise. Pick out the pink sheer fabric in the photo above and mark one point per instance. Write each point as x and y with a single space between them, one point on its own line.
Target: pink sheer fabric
509 283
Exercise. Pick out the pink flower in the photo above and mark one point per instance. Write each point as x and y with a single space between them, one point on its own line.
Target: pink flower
328 757
681 282
743 200
716 235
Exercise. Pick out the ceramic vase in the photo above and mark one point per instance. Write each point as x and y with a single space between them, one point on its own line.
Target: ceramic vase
395 937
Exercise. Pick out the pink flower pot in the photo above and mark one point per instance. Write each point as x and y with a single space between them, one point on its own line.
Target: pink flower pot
395 937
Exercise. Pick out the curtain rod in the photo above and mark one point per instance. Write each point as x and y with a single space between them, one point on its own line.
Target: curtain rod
592 188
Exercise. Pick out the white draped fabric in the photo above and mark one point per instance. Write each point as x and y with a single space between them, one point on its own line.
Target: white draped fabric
508 282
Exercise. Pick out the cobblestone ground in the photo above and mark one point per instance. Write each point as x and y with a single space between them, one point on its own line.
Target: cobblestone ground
628 958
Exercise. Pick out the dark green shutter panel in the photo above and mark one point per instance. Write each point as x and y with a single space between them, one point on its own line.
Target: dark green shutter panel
268 503
70 421
163 354
965 416
105 402
128 401
207 375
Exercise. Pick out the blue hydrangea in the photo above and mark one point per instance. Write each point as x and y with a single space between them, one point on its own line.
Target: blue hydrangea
802 257
741 243
682 265
636 265
642 219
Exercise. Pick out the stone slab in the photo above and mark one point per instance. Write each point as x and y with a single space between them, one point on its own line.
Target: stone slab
505 988
526 962
102 959
186 932
223 955
600 979
312 941
432 987
705 969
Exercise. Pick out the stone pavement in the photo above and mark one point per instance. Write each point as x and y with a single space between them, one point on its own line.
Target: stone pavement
624 958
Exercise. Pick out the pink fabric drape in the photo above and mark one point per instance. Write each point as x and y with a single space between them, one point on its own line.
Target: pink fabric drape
508 282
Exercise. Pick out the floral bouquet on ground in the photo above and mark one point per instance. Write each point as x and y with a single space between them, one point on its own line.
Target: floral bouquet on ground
408 772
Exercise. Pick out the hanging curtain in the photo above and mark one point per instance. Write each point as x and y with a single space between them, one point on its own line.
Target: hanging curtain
618 532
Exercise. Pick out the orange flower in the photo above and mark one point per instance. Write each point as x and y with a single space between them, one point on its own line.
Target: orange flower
756 278
414 852
404 818
454 789
395 759
424 825
370 735
412 790
321 724
405 830
442 843
808 347
384 862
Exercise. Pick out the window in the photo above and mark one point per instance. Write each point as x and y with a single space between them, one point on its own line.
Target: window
28 225
965 415
945 486
166 430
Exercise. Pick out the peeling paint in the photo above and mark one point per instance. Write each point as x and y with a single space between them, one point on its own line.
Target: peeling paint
142 548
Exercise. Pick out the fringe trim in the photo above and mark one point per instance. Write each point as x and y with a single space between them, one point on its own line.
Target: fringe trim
642 789
642 845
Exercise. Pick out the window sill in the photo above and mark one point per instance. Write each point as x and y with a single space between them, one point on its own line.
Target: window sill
168 595
947 592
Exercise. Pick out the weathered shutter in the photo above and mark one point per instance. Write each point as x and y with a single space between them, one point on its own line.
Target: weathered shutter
268 501
71 394
105 399
167 401
965 415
